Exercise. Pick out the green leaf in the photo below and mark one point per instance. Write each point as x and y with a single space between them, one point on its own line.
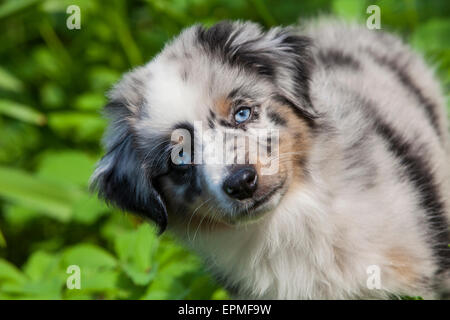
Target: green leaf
135 249
18 216
49 198
88 209
90 101
164 288
98 268
220 294
349 9
264 12
2 239
116 224
139 277
18 138
66 165
41 265
48 289
99 281
137 246
432 35
11 7
9 273
52 95
44 278
9 82
88 256
21 112
201 287
57 6
145 246
46 63
77 126
102 78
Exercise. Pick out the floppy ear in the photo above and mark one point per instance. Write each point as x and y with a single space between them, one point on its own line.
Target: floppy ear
121 177
280 55
293 64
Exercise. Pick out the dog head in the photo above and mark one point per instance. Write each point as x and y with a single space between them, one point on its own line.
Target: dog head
188 130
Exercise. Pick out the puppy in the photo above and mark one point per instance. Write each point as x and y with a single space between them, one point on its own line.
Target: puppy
354 199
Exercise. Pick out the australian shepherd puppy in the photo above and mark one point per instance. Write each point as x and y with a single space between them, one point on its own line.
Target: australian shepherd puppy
340 186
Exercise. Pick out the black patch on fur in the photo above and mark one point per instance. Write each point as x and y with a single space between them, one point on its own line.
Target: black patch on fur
332 58
185 125
301 113
276 118
211 123
186 174
181 176
291 55
233 94
225 123
269 146
218 39
125 184
211 118
418 171
122 178
255 115
299 46
405 79
194 190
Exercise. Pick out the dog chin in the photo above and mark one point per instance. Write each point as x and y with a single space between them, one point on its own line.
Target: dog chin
250 211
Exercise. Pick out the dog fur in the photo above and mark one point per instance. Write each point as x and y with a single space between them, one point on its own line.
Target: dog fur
364 164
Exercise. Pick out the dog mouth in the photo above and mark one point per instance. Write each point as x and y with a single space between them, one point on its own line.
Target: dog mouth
260 201
252 209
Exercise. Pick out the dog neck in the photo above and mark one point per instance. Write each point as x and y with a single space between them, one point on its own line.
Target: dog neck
259 259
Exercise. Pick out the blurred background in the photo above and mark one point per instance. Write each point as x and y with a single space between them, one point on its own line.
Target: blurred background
52 87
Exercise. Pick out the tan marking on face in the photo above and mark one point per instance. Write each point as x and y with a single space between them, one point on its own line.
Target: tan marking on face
266 182
294 145
222 107
402 264
295 141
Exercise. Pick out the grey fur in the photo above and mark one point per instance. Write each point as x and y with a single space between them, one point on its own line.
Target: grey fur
377 176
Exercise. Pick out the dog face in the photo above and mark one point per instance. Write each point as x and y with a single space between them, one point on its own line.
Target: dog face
217 126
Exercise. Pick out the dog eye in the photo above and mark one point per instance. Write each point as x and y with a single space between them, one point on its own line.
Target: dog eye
242 114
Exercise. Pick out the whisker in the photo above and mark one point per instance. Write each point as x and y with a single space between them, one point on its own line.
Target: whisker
193 213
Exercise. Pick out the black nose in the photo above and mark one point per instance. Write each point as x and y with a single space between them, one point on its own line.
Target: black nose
241 183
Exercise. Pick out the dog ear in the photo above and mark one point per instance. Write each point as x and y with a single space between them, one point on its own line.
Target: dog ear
293 64
121 177
281 55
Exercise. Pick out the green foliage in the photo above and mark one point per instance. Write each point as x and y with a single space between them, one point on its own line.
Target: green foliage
52 88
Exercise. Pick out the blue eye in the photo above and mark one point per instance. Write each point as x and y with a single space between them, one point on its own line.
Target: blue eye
242 114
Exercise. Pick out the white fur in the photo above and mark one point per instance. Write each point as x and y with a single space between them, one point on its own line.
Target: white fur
326 231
